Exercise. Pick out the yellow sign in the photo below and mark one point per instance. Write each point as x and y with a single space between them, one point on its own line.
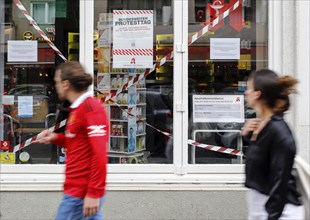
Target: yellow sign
7 158
28 35
42 39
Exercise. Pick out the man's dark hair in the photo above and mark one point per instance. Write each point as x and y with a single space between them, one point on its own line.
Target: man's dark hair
74 72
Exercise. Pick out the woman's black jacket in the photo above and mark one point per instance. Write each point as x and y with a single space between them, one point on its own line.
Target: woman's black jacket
269 162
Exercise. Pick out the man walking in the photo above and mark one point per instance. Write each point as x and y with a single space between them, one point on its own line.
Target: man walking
85 141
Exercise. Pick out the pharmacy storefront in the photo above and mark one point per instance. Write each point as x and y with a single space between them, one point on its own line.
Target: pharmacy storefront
172 75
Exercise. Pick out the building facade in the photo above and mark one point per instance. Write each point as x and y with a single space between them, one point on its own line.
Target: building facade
173 65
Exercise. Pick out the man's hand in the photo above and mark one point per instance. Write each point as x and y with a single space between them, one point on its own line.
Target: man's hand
91 206
46 137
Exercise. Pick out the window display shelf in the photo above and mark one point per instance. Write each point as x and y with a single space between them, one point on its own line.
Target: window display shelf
127 117
118 136
118 154
138 89
118 73
118 120
126 105
128 132
138 135
122 120
121 158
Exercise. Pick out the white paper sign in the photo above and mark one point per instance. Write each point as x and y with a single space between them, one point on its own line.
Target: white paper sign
218 108
105 24
8 100
25 106
22 51
132 39
103 82
224 48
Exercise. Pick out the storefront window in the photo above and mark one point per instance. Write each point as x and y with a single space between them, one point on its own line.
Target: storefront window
130 38
220 60
29 99
133 74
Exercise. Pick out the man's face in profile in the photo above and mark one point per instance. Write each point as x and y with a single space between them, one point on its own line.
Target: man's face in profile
60 85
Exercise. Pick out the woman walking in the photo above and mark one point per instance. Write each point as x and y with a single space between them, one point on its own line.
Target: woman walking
271 152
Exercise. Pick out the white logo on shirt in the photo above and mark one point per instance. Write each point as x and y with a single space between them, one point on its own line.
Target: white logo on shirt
69 134
97 130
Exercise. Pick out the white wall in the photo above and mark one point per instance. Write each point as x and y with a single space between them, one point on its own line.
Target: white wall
303 71
290 54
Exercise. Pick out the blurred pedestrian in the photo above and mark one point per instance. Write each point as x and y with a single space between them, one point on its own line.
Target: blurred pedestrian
85 141
271 151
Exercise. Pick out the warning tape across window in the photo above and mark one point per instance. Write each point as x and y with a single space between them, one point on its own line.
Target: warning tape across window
168 57
133 12
135 79
36 26
134 52
219 149
209 147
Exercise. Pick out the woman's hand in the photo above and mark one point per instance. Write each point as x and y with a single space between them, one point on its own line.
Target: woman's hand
250 125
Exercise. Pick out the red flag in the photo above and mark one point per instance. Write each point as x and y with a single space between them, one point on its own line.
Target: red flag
236 19
218 7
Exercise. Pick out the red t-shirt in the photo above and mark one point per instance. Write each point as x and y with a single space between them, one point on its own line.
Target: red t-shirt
86 141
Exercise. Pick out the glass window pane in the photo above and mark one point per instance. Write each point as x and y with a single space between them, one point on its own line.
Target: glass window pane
219 63
123 57
51 13
39 13
31 104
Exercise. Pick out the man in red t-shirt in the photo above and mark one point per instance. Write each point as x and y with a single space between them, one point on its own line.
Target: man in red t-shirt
85 140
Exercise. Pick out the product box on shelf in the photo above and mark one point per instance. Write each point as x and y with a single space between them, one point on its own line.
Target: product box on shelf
134 158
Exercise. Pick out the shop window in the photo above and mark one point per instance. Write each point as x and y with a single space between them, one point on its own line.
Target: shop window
152 105
219 63
43 12
30 102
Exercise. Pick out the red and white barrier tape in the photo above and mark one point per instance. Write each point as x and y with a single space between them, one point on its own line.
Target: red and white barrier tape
36 137
220 17
191 40
136 52
36 26
190 142
139 77
132 12
219 149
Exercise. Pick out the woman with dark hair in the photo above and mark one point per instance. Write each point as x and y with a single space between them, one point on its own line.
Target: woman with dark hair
271 152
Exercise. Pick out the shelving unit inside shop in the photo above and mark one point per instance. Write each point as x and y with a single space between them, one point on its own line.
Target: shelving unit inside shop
127 117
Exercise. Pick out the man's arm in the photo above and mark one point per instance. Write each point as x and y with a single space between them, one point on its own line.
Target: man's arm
97 125
98 134
48 137
281 163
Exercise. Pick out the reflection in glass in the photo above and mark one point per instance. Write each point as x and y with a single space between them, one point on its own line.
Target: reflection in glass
28 85
214 69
